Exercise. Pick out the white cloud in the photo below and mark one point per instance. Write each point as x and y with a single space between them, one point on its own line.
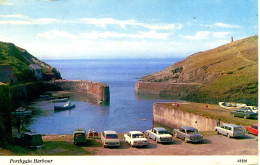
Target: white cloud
55 34
163 26
104 35
201 35
221 34
227 25
101 22
6 3
12 16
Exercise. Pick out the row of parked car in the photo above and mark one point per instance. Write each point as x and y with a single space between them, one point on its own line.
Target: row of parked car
161 135
110 138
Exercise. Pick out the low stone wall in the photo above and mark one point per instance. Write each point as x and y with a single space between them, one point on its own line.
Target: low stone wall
160 88
176 118
95 90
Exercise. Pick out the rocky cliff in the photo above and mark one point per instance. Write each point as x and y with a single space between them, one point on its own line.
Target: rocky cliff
227 73
19 59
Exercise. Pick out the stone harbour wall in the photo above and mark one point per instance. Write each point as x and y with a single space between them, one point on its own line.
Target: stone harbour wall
160 88
95 90
176 118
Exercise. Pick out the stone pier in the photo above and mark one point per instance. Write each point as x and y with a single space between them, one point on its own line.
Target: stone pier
95 90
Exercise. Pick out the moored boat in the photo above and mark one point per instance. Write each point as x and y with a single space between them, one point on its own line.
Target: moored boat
22 111
60 100
231 105
68 105
62 97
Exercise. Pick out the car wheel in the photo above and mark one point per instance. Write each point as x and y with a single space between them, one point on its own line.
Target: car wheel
228 135
156 140
245 117
218 132
185 139
175 135
75 143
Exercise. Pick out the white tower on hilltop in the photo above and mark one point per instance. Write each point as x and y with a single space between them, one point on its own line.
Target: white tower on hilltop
231 39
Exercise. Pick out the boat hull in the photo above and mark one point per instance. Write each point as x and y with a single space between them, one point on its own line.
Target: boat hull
64 108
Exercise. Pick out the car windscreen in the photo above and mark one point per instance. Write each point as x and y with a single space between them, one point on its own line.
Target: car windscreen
138 135
192 131
79 134
163 132
238 129
111 136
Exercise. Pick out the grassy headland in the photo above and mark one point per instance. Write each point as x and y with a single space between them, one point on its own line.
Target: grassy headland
227 73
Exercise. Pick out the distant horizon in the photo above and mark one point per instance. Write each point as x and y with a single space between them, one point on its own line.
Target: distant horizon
117 58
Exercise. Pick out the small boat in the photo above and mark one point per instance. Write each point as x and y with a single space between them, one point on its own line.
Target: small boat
49 98
44 96
62 97
231 105
22 111
68 105
60 100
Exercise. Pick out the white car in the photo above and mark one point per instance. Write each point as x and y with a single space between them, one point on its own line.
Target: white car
231 130
110 139
252 108
135 138
159 134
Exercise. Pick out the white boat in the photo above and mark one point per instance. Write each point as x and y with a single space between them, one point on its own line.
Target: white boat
231 105
60 100
68 105
22 111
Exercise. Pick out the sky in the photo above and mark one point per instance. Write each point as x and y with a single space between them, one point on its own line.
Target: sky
101 29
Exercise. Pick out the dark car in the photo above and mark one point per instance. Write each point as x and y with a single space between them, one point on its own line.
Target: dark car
79 136
245 113
188 134
29 139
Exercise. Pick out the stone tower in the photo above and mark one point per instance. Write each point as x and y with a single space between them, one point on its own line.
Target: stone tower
231 39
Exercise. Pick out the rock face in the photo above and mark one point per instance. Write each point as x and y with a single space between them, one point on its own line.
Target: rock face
33 60
20 60
220 71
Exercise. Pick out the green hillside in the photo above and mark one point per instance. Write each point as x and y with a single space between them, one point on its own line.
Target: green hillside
19 59
227 73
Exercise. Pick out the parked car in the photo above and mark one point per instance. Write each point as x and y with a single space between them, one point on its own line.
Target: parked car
135 138
188 134
159 134
79 136
110 139
231 130
253 129
245 113
252 108
29 139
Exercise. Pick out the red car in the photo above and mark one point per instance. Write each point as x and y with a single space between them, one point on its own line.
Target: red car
253 129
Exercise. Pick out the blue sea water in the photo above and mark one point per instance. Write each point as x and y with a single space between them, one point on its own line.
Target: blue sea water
126 109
